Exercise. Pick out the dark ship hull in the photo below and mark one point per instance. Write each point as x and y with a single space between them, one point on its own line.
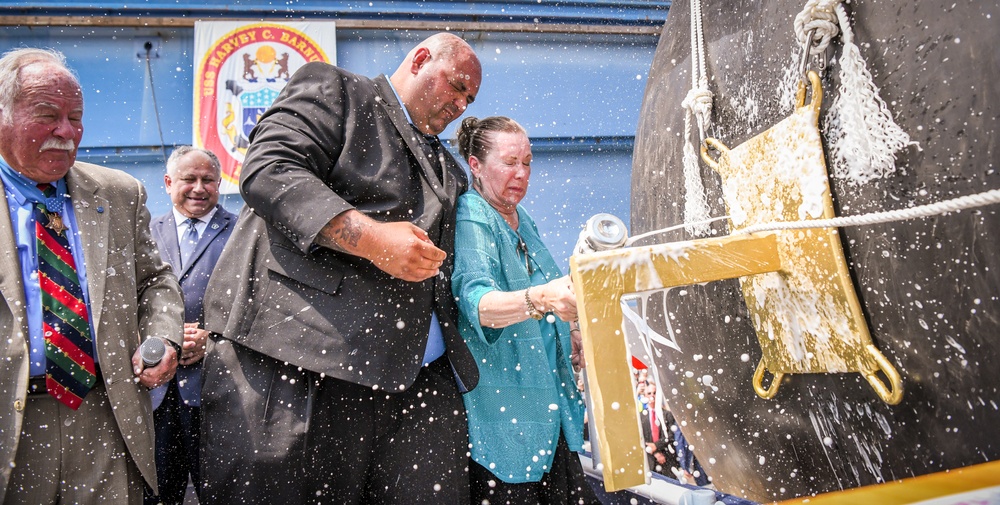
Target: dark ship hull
929 288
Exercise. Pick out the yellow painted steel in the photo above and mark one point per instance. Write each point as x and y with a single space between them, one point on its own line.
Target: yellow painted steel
940 485
600 280
807 317
795 283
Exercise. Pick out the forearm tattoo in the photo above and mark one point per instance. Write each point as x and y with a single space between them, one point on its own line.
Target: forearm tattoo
347 232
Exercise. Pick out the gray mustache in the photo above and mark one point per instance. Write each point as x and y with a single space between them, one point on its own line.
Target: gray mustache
57 144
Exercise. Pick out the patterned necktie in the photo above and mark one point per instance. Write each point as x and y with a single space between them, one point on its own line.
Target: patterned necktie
438 149
188 241
69 348
433 149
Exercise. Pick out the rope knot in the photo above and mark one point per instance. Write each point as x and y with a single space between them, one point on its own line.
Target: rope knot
819 16
699 102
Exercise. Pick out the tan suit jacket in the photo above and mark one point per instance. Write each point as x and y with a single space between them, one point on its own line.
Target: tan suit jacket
133 295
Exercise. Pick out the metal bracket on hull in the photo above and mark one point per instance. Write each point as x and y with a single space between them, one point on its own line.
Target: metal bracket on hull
807 315
600 280
795 283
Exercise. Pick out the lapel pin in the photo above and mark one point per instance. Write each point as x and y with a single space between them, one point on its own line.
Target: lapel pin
215 226
100 210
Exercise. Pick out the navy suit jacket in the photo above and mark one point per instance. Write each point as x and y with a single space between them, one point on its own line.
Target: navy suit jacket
193 278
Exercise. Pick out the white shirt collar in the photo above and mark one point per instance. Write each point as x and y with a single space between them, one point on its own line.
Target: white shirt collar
200 225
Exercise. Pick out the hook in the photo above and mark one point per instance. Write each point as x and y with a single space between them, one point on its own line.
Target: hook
891 393
804 61
758 381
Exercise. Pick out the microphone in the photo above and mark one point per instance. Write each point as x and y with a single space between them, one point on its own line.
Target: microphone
151 351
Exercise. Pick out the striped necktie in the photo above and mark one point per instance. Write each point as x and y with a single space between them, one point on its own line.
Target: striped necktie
189 241
69 370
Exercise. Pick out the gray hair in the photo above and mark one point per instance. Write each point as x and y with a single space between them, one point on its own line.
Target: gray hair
182 151
13 62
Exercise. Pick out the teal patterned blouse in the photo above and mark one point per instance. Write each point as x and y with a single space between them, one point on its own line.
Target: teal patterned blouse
526 393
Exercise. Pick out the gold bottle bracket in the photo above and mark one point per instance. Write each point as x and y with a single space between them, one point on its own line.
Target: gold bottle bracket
796 284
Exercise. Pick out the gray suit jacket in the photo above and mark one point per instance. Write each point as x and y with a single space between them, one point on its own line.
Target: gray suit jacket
334 141
123 270
193 278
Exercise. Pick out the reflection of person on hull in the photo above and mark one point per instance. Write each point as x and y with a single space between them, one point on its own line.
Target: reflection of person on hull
691 471
338 365
655 422
526 416
80 283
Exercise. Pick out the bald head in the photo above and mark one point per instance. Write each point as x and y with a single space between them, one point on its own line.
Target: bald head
437 81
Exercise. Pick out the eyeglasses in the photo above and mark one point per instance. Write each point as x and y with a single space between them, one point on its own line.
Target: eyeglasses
527 257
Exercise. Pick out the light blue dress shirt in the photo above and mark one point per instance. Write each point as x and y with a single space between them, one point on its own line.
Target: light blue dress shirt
22 194
435 339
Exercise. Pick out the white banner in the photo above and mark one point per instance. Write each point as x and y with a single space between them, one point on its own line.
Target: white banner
239 70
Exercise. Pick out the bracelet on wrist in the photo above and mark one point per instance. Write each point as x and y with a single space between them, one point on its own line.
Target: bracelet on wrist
532 310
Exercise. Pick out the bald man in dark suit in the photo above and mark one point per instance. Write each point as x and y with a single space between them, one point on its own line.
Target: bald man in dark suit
337 369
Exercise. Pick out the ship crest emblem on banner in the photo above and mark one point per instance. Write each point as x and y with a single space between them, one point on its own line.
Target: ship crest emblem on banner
239 77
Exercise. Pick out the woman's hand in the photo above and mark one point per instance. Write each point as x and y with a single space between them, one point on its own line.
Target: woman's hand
556 296
499 309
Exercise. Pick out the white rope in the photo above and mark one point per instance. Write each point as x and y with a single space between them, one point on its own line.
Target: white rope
631 240
862 134
698 104
955 204
961 203
817 15
699 99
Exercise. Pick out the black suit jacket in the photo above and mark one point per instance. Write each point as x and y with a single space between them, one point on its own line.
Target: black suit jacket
194 279
334 141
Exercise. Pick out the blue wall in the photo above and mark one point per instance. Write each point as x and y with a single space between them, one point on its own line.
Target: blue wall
578 95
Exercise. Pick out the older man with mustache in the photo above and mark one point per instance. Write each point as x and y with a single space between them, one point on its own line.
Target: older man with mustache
81 285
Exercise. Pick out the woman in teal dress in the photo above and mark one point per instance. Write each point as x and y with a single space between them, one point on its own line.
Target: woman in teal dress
517 315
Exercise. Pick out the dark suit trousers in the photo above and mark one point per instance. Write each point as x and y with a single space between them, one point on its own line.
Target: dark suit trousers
274 433
177 427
